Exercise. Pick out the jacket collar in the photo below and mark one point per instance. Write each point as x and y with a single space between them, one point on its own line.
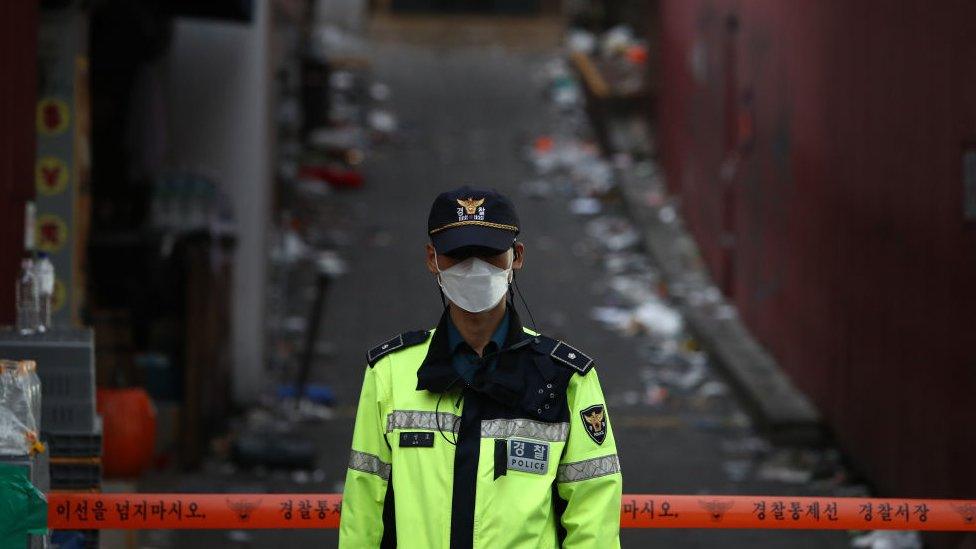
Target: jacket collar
505 383
436 373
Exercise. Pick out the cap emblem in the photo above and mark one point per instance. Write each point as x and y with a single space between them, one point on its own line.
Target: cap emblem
471 209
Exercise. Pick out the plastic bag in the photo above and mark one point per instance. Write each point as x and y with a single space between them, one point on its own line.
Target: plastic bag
23 508
20 407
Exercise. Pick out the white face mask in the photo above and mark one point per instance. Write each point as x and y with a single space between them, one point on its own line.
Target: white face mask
474 284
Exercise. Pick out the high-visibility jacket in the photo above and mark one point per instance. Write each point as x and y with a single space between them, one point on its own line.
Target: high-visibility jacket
523 456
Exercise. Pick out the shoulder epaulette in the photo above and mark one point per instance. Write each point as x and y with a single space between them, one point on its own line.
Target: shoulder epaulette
402 341
565 354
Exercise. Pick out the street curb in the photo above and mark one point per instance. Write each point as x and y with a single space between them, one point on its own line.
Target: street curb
779 409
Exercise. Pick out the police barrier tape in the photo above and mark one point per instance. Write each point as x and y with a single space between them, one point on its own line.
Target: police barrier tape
85 511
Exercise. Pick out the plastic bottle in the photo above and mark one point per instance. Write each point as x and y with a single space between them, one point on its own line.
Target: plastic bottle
44 276
27 298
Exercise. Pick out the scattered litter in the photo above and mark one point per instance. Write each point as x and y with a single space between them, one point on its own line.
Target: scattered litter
307 410
625 262
313 188
631 398
585 206
239 536
348 137
710 424
329 262
655 395
623 161
20 407
667 214
613 317
338 176
584 249
379 92
566 93
888 539
740 420
592 175
614 233
342 80
713 389
294 324
737 469
725 312
687 379
382 121
617 39
582 41
852 491
316 393
332 40
746 445
783 473
537 188
659 319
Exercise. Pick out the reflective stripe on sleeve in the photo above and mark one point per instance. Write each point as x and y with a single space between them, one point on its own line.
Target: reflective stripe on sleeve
368 463
525 428
413 419
587 469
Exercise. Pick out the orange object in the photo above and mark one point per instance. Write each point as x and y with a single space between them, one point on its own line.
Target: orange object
129 431
544 143
592 77
261 511
636 54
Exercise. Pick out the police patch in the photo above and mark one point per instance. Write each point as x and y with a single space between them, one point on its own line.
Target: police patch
384 348
528 456
416 439
572 357
406 339
595 422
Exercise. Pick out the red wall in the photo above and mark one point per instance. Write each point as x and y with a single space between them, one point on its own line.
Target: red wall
18 89
840 232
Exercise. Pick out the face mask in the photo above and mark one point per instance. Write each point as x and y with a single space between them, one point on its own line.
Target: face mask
474 284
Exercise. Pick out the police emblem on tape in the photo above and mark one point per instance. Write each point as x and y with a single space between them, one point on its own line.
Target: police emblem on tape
528 456
595 422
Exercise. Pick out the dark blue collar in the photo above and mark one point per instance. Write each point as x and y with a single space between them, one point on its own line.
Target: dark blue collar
504 383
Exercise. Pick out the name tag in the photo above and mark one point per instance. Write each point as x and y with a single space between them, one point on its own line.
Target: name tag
417 439
528 456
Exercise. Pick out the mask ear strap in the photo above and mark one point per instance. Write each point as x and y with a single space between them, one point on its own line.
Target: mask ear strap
525 305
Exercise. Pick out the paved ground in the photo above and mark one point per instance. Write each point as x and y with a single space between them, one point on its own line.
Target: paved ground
464 111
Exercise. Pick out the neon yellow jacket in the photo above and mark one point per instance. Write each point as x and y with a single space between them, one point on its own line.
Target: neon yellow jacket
535 462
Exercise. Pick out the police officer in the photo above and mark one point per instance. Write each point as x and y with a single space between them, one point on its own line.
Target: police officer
481 432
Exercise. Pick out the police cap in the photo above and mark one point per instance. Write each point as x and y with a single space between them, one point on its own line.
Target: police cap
467 217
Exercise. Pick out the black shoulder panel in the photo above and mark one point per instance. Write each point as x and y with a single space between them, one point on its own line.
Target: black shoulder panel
402 341
564 354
